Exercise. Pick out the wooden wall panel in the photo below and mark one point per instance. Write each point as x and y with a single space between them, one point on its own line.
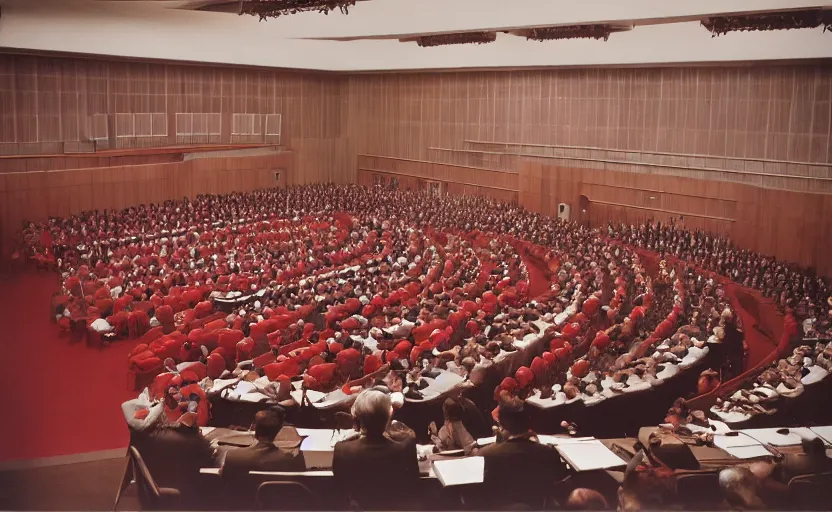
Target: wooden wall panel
52 105
37 195
771 112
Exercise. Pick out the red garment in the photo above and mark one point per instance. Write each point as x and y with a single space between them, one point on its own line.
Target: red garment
350 324
245 348
601 341
204 309
371 364
228 338
323 374
580 369
264 359
290 368
539 369
138 323
164 314
216 364
524 376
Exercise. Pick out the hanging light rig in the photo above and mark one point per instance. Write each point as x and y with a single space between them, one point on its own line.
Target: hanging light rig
458 38
810 18
275 8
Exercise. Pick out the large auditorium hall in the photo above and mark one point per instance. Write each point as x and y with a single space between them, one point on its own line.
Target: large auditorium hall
415 255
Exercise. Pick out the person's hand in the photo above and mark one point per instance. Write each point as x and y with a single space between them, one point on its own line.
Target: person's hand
432 430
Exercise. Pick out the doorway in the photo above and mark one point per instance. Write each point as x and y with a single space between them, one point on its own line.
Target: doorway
583 211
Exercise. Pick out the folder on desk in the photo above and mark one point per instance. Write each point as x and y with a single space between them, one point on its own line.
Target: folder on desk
463 471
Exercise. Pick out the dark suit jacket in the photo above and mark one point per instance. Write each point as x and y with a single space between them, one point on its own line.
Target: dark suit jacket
261 457
376 473
794 465
521 470
174 456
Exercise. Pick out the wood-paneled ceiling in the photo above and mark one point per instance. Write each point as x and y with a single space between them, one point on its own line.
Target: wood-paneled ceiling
379 35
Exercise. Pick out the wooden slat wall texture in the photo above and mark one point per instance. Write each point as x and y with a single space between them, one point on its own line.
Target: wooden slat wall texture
789 225
774 113
50 105
59 163
456 179
37 195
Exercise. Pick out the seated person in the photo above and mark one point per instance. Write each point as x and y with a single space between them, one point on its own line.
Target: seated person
739 489
263 455
586 499
453 435
373 469
175 452
775 478
517 461
813 460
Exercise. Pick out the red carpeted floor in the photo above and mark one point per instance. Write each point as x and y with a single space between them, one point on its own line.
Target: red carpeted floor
59 398
761 322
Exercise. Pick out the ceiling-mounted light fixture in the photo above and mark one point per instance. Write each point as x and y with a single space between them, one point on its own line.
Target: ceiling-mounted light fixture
571 32
458 38
811 18
275 8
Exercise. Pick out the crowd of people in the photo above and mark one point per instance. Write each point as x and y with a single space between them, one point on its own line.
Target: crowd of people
791 286
342 285
341 289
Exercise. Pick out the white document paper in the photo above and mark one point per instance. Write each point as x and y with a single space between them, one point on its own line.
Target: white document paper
463 471
314 396
297 395
748 452
253 397
770 435
589 455
312 432
206 430
219 384
824 432
244 387
485 441
558 440
725 442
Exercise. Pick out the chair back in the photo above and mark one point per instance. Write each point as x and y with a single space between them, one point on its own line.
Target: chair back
811 492
284 496
344 421
699 490
148 491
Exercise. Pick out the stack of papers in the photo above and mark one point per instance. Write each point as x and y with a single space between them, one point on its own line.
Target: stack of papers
741 446
463 471
748 452
589 456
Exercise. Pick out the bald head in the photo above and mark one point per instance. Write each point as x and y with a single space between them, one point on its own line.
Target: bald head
739 487
586 499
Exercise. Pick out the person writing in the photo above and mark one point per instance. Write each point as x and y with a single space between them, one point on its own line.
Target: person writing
452 435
